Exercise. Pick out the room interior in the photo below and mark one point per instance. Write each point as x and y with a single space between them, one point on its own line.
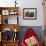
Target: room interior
17 16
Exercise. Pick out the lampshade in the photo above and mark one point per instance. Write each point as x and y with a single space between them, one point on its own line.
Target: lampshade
15 3
15 30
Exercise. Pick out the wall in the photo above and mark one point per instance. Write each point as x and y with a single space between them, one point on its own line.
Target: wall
32 4
27 4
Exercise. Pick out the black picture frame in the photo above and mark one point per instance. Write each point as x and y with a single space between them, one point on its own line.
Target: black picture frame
30 13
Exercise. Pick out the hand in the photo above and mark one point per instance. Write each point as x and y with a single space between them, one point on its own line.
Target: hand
32 41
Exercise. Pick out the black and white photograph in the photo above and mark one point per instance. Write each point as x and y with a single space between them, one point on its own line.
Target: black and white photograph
30 13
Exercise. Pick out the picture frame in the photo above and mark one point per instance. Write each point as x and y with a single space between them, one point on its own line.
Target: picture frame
5 12
13 12
30 13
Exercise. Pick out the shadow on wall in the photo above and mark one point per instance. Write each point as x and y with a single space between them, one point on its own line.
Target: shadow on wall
37 29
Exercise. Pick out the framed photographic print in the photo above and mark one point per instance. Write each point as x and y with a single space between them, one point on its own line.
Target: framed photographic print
29 13
13 12
5 12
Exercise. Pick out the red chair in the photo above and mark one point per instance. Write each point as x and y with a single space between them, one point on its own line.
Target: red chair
29 33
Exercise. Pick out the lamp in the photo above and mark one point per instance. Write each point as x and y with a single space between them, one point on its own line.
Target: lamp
15 30
15 3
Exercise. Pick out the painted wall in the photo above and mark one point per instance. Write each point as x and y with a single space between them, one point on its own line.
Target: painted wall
26 4
32 4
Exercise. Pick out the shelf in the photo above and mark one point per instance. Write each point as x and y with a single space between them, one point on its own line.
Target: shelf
9 10
5 13
4 8
11 26
11 41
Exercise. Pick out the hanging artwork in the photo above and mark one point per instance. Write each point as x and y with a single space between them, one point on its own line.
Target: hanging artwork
29 13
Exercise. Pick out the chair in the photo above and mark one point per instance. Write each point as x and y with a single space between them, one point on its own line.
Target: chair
28 34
